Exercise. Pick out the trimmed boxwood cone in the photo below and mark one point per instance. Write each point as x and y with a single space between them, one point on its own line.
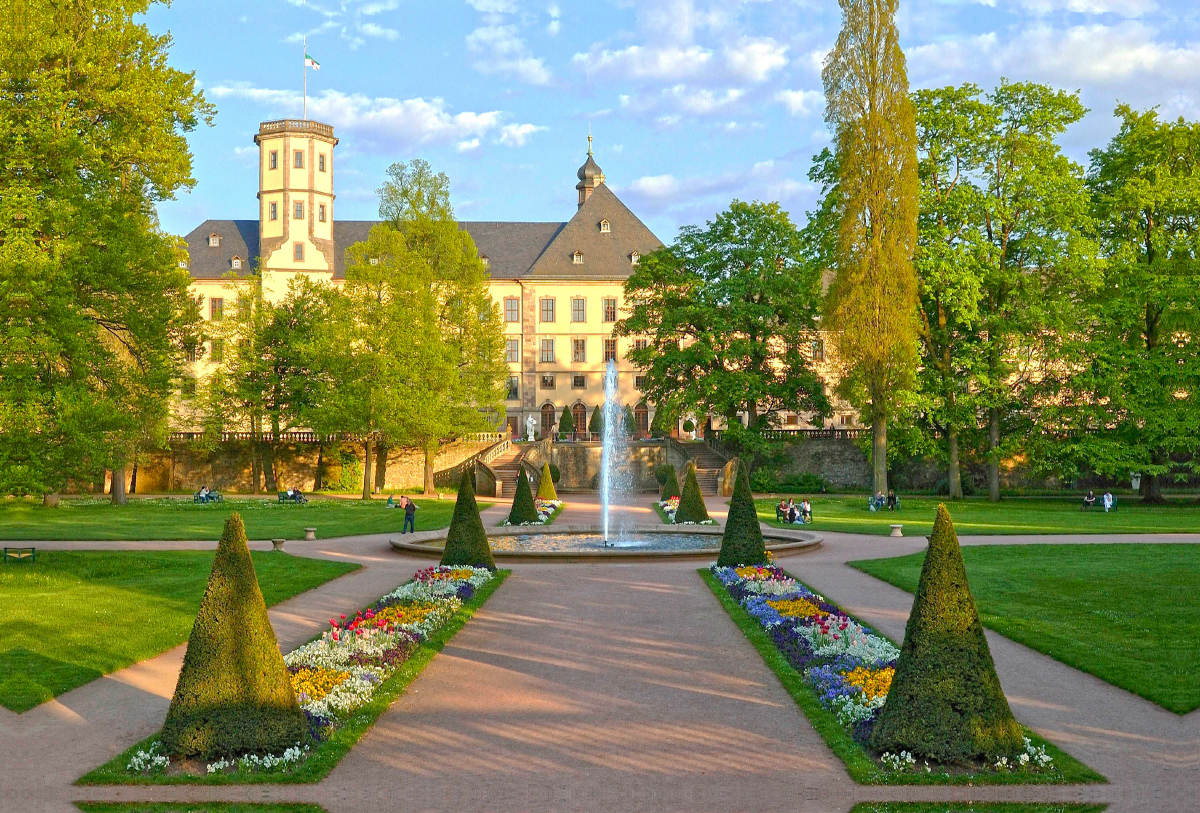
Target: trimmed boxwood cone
466 541
742 543
546 489
523 509
234 695
945 701
670 483
691 504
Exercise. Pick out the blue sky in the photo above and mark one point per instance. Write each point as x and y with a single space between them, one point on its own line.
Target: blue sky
691 103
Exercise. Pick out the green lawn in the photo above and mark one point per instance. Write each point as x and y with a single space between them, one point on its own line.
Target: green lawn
176 518
1128 614
1033 515
77 615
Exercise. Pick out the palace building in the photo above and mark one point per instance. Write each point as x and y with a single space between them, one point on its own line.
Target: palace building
559 285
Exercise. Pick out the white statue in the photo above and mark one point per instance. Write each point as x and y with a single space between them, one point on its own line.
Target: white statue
530 428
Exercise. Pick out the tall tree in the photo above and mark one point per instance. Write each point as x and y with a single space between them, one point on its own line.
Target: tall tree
1130 400
93 304
871 307
730 311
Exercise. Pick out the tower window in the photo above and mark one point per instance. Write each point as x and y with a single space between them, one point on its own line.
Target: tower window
236 262
298 159
610 309
548 309
577 258
298 210
512 350
578 309
298 252
214 241
274 211
321 162
321 212
273 159
634 258
512 309
605 226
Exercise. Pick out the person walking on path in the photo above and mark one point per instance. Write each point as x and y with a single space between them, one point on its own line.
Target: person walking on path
410 515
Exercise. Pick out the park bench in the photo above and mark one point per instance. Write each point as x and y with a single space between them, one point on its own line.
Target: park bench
284 498
20 554
213 496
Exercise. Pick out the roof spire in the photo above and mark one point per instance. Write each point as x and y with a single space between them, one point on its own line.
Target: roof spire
589 139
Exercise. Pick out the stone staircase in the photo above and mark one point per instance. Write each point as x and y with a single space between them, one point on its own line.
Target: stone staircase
708 465
508 467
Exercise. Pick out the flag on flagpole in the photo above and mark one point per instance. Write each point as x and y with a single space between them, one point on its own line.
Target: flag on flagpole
309 62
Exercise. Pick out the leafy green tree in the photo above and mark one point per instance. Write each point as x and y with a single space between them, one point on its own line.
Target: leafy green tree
466 541
1126 400
730 310
742 543
94 308
871 306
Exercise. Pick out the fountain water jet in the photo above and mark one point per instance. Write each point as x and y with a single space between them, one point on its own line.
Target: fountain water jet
613 448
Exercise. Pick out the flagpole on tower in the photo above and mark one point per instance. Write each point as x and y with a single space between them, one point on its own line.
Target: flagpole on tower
304 47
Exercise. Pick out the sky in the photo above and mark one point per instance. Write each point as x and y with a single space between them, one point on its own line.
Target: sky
691 103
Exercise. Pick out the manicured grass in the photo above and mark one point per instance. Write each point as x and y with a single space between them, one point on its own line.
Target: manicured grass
196 807
553 516
860 766
177 518
1128 614
326 755
658 509
975 807
77 615
1032 515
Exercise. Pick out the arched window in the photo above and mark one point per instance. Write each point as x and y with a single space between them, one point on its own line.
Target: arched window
547 419
641 416
579 417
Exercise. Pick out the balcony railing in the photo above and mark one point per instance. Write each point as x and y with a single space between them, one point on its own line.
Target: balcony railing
295 126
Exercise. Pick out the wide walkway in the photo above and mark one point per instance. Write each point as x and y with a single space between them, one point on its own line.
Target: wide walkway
617 687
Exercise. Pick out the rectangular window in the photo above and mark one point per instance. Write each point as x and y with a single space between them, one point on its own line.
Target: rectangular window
579 350
512 350
187 387
298 210
217 350
791 420
321 162
548 309
514 388
547 354
610 309
547 381
512 309
578 309
641 344
273 159
216 308
191 353
274 207
321 212
579 382
610 350
298 159
298 252
845 420
818 350
639 382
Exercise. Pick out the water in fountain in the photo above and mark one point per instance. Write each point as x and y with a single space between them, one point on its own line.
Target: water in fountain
614 458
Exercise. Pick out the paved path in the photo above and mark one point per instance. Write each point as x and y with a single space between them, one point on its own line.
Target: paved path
617 687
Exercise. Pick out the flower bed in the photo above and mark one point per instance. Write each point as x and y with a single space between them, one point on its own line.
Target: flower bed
848 668
547 510
668 508
346 671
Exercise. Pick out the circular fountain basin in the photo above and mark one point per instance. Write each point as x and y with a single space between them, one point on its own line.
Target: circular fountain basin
584 542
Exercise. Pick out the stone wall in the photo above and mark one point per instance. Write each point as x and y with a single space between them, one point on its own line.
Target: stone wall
841 463
579 464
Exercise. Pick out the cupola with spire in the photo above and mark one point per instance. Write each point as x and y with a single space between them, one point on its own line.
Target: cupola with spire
590 175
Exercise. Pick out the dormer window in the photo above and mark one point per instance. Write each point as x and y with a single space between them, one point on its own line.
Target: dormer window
605 227
577 258
486 262
374 261
634 257
214 241
183 264
236 262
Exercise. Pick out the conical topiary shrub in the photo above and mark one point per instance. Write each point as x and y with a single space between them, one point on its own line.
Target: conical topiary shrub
742 542
234 695
596 424
523 509
546 490
670 483
566 424
691 504
466 541
945 701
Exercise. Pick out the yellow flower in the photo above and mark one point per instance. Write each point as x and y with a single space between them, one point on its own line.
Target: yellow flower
315 683
874 683
797 608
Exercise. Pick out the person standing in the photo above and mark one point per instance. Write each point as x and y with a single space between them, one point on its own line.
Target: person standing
410 515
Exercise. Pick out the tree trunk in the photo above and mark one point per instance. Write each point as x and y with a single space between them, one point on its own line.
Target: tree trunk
367 446
50 500
133 480
318 482
269 467
1152 483
993 466
118 486
254 467
430 457
879 453
954 475
381 456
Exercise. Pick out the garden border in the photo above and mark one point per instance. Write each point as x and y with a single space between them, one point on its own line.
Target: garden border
859 765
325 757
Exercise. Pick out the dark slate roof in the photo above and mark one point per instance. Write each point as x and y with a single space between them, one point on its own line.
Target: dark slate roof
605 255
238 238
513 249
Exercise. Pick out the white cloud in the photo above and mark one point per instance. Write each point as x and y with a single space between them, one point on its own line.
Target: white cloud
755 59
638 62
515 135
493 6
502 51
678 99
656 186
468 146
555 24
371 9
1123 8
373 30
764 180
801 102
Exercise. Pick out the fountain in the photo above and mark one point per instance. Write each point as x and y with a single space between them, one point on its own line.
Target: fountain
613 455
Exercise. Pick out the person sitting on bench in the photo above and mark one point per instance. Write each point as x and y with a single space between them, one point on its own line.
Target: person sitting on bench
204 492
893 502
806 511
1090 500
781 510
